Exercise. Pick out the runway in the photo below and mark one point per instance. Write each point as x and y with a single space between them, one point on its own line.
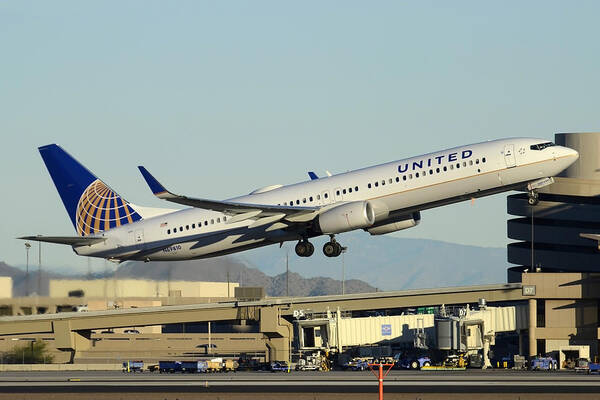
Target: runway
300 385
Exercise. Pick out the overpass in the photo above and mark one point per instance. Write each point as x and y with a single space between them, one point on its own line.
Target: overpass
72 330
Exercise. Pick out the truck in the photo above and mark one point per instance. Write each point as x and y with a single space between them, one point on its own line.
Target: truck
543 364
133 366
169 366
194 366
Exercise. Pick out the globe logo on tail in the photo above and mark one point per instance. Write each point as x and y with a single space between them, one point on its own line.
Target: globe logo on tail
100 209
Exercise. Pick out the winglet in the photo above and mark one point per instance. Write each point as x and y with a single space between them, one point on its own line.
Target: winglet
158 189
312 175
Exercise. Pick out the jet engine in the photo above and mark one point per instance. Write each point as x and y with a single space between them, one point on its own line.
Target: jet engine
399 223
347 217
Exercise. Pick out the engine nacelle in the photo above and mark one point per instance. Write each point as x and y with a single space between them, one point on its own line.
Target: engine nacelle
408 221
347 217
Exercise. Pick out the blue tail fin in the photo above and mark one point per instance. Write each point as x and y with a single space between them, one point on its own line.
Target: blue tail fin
92 206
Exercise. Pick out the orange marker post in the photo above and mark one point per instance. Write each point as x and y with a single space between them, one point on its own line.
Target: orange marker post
381 376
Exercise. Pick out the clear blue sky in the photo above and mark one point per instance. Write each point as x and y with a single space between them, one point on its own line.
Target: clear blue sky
218 98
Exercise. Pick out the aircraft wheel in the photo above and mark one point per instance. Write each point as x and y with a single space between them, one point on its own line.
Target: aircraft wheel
302 249
329 249
533 198
310 249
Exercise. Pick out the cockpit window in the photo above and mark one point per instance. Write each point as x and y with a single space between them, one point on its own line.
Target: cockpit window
541 146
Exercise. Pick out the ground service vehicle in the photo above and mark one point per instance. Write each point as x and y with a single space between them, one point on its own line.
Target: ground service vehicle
543 364
133 366
169 366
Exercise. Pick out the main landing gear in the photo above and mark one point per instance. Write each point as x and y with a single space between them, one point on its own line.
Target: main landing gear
332 248
304 248
532 198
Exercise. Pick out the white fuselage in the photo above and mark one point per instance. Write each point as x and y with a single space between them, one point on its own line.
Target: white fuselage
393 188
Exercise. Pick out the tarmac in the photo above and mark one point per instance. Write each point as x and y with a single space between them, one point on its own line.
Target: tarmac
423 385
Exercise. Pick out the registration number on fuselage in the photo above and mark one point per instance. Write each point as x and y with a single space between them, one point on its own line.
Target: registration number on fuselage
172 248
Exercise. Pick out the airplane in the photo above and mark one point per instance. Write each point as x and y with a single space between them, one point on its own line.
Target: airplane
380 199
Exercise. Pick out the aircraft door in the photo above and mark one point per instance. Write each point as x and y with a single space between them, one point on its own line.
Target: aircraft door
509 155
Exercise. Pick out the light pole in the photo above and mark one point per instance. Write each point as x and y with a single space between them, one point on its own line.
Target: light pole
344 250
27 247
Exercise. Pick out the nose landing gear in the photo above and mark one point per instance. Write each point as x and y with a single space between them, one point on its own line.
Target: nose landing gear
332 248
533 198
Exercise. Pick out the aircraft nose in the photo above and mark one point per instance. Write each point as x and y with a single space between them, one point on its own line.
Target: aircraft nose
571 153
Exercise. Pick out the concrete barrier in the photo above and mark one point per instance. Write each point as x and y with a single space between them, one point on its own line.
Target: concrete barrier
59 367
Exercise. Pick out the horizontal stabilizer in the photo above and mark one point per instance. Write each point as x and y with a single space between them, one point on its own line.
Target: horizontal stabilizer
69 240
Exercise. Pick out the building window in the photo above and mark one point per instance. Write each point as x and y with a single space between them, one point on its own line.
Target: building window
541 313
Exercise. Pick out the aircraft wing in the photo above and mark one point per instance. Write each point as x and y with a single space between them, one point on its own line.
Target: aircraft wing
241 210
70 240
